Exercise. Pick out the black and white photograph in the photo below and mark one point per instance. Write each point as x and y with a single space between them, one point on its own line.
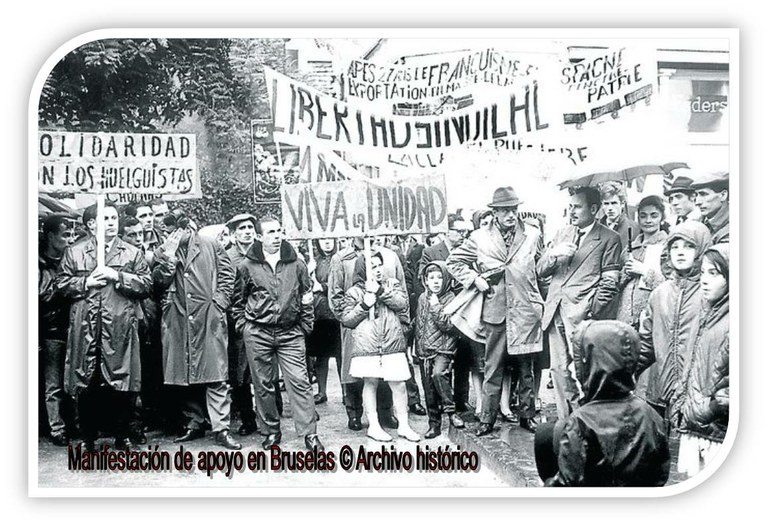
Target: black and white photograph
438 262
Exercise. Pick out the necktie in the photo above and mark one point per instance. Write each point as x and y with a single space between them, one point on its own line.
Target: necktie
577 242
680 219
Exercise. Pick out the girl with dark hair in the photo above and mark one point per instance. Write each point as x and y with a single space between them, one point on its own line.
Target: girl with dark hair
705 406
324 342
641 261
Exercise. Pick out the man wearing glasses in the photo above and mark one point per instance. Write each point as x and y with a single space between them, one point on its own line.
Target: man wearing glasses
500 262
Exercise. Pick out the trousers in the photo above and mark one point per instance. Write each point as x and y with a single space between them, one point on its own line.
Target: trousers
438 391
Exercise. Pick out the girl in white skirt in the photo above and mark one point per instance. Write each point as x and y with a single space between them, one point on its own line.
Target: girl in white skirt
378 351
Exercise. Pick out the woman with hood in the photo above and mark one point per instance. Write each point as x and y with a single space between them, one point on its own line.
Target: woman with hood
378 349
667 323
614 438
705 401
324 341
641 261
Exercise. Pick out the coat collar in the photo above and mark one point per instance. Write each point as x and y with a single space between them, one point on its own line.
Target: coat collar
256 252
587 246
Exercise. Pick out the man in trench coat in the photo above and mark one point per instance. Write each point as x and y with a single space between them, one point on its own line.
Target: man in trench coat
512 305
103 364
196 278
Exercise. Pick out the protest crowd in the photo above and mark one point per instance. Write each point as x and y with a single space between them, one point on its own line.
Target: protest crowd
189 328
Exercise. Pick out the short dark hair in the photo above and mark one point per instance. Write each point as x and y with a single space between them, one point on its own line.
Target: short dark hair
157 202
127 222
130 210
90 212
53 223
265 219
591 194
719 262
652 200
452 219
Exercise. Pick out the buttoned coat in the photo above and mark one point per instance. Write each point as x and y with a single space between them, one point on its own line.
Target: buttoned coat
103 321
196 292
513 299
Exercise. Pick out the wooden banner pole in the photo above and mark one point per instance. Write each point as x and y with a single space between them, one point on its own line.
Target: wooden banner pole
368 270
100 242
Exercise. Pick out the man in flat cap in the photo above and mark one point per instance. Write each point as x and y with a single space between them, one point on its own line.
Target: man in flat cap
712 199
681 198
500 262
242 229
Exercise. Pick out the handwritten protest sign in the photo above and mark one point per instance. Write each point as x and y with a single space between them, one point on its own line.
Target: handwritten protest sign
117 163
358 208
608 83
437 76
302 114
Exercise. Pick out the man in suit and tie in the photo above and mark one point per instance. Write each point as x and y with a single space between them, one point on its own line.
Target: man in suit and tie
583 261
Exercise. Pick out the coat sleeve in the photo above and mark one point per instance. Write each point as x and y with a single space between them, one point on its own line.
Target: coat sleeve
354 312
572 458
240 298
136 281
393 296
647 352
307 315
461 262
69 284
163 269
336 290
225 278
607 287
442 319
720 399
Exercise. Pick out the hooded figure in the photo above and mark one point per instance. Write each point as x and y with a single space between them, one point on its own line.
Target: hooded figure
434 331
614 438
667 325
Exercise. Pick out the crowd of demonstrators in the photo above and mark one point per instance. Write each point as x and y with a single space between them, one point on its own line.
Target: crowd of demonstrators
180 329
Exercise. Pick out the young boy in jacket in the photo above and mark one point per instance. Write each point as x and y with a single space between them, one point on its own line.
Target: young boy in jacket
436 346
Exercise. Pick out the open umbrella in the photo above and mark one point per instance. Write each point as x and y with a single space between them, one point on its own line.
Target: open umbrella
626 175
47 205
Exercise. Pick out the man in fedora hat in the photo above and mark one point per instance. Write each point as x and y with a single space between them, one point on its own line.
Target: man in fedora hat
242 228
512 305
584 261
681 199
712 199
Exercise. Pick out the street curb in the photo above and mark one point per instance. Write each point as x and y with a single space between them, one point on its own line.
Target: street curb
511 460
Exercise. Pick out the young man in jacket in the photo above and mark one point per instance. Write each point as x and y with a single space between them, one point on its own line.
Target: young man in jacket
274 312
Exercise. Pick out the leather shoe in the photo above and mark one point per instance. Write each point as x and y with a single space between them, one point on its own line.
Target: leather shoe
124 444
313 443
271 440
320 399
189 434
247 428
59 439
389 422
354 424
484 429
529 424
417 409
224 439
456 420
432 432
511 417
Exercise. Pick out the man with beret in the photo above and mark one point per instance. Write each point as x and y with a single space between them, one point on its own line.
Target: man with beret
712 200
681 198
242 229
500 262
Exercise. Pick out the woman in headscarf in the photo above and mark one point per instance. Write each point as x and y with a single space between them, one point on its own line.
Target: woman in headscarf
378 350
705 405
667 323
641 261
324 341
